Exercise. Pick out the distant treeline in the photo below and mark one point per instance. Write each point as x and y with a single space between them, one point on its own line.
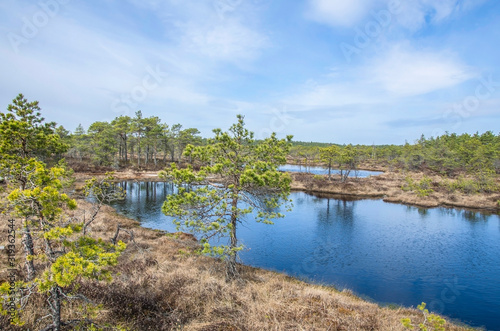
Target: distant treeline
449 154
145 141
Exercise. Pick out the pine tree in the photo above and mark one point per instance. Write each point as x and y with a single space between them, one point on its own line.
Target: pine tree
238 177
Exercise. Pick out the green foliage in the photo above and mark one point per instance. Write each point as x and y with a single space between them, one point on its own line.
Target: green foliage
42 197
103 190
7 292
102 143
450 154
347 161
86 258
36 194
431 322
329 156
345 158
238 176
23 134
422 188
407 323
481 184
125 138
70 256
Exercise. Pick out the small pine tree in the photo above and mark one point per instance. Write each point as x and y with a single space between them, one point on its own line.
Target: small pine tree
57 254
238 176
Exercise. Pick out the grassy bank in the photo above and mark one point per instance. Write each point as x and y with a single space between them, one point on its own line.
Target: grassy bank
162 284
427 191
387 186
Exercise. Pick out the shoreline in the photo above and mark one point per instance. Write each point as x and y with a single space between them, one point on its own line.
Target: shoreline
386 186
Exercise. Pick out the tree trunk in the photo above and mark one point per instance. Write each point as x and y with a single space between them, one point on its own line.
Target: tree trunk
29 252
132 153
56 308
231 270
126 150
329 170
155 151
139 152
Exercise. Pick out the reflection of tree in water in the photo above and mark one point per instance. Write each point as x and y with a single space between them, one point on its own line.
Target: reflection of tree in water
157 191
336 211
472 216
332 247
423 212
447 212
299 199
469 215
144 196
345 210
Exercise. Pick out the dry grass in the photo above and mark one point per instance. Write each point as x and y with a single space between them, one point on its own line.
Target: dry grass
162 284
388 187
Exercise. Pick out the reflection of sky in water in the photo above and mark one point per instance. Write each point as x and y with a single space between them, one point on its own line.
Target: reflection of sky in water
389 252
324 171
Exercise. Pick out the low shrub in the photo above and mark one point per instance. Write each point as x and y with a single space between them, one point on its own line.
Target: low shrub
422 188
480 184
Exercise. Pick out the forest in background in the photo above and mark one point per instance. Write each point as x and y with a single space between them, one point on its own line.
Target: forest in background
148 143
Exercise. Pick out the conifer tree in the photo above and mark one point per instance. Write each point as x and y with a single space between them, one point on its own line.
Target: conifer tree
238 178
57 254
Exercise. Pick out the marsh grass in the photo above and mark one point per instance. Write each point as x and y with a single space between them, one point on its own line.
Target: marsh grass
162 283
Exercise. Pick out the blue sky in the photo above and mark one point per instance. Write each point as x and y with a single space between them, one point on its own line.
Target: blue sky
359 71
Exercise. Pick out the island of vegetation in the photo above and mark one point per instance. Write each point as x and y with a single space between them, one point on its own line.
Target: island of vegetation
70 262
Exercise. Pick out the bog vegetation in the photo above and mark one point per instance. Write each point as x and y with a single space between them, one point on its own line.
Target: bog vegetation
219 181
147 142
468 163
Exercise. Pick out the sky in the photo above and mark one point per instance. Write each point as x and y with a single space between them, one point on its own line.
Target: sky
335 71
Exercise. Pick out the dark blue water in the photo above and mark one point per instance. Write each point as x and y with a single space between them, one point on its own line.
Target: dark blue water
389 253
324 171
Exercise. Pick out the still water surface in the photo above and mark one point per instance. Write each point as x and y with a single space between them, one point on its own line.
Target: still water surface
324 171
388 253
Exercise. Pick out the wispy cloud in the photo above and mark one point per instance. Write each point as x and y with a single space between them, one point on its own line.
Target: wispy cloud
230 41
407 72
338 12
217 58
394 74
87 63
411 15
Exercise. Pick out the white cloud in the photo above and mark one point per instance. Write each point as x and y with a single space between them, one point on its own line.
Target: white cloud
406 72
230 41
411 15
227 33
85 63
334 94
338 12
400 72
